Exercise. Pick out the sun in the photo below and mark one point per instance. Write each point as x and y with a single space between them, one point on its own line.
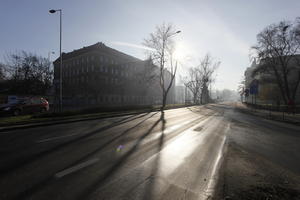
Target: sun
181 52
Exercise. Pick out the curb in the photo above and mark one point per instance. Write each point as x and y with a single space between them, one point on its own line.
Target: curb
66 121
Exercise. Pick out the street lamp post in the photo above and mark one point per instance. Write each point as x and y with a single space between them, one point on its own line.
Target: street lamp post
60 40
164 40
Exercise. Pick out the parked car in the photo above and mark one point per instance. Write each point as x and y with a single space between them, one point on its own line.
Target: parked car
25 106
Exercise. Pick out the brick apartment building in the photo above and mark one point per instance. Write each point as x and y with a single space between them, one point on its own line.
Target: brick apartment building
98 75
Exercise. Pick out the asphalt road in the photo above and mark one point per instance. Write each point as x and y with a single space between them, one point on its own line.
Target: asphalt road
171 155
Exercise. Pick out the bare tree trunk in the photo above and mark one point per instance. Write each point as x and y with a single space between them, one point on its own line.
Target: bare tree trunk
201 97
195 98
164 101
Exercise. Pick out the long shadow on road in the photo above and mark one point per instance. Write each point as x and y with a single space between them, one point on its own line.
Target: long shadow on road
120 162
150 184
20 162
48 180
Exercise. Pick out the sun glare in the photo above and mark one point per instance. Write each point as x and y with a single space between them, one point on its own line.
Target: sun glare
181 52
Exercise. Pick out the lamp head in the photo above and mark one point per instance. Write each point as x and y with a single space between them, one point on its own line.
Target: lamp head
52 11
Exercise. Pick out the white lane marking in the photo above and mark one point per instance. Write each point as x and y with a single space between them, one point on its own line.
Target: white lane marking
76 168
90 162
57 138
212 180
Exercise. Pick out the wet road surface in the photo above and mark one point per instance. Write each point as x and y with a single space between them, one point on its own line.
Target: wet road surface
174 154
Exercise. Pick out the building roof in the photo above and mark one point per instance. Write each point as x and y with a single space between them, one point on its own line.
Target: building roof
100 47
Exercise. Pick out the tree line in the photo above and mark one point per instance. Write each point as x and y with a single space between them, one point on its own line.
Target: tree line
25 73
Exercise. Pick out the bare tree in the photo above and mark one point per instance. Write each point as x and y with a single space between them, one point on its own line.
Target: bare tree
207 68
28 73
193 82
276 49
2 71
162 55
200 77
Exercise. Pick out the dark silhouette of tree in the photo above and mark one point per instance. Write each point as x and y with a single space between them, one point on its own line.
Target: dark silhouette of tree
28 73
162 47
276 49
200 78
193 82
2 71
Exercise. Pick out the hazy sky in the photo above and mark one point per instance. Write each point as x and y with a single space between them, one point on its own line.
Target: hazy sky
226 28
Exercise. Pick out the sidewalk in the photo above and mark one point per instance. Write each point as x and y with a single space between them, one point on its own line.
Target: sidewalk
273 115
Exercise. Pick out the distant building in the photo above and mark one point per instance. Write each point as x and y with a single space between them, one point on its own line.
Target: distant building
180 94
98 75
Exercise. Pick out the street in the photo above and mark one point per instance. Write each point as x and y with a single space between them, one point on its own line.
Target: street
175 154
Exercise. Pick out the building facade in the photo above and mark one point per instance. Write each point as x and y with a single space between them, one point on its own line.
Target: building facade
180 91
268 89
98 75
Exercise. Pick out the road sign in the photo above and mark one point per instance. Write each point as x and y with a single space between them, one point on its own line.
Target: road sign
254 87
